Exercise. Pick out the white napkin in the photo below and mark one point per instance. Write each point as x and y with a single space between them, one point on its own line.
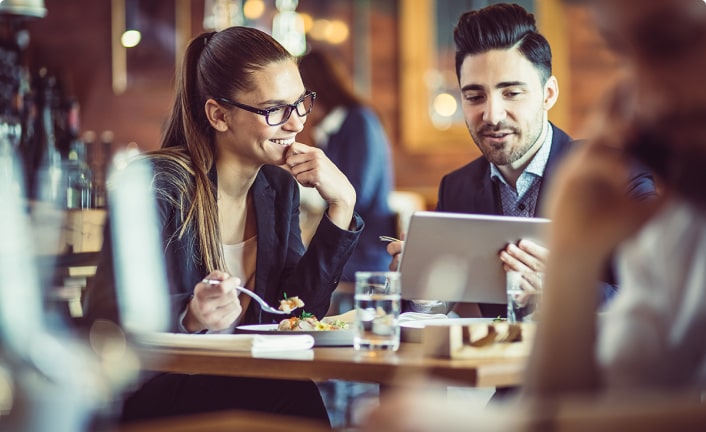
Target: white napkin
229 342
407 316
417 316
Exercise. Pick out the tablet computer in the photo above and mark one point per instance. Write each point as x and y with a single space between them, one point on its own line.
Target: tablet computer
454 256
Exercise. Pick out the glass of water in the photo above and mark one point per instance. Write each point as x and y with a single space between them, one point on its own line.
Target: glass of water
524 292
377 306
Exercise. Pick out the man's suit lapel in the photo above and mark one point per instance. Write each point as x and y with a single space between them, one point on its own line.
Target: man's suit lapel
561 143
485 200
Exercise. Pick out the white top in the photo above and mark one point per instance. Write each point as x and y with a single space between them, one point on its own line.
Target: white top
241 260
653 333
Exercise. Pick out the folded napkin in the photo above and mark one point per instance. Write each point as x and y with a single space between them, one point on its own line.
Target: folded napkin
229 342
407 316
417 316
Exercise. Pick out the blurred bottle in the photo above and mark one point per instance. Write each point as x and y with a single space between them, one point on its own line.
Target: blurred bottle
28 114
93 160
10 133
89 140
11 92
10 169
79 179
101 161
49 181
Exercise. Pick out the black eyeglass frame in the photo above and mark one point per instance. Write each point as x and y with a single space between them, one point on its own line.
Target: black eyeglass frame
266 112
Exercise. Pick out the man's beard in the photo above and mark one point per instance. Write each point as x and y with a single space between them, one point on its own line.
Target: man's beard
674 148
497 154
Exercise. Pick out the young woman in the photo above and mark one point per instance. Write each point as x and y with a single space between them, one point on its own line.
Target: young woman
226 185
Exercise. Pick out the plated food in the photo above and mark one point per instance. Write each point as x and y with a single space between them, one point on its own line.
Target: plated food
308 322
329 331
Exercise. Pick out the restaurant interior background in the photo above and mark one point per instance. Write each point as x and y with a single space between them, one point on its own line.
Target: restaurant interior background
73 89
399 52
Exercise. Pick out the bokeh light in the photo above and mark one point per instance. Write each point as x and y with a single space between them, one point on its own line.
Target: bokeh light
445 105
331 31
253 9
131 38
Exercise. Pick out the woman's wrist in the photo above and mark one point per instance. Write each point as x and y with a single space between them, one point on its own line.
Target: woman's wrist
341 215
190 323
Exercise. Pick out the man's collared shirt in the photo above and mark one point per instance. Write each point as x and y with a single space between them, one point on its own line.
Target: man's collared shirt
522 200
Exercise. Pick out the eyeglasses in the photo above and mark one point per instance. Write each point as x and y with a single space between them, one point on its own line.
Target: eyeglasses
279 114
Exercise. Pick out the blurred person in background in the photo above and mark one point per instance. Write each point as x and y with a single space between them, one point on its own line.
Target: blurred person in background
226 182
349 131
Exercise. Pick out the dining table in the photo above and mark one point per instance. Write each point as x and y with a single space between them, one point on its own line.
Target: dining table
322 363
223 421
411 365
646 411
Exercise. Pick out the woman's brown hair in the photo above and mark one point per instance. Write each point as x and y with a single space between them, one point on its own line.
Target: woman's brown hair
216 64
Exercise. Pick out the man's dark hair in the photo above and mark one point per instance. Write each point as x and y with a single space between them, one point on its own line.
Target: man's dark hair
502 26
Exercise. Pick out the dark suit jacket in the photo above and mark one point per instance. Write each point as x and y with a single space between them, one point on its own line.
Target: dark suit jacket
283 263
470 189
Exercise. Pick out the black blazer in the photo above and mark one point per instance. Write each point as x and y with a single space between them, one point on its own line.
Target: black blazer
470 189
283 263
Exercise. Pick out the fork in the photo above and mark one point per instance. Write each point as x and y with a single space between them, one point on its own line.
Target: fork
388 239
391 239
257 298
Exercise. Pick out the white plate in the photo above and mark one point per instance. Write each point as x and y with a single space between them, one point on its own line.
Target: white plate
321 338
411 331
227 342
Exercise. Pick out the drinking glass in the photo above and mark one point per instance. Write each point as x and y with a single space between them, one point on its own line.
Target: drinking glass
524 291
377 305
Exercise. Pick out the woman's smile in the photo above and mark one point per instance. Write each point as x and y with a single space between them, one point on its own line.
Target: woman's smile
284 142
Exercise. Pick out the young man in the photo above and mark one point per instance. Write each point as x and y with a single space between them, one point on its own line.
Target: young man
504 69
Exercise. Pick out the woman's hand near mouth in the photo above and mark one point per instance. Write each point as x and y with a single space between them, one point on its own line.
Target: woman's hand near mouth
312 168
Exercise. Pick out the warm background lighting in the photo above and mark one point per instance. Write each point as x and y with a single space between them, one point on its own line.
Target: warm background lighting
331 31
253 9
337 32
308 22
445 105
130 38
